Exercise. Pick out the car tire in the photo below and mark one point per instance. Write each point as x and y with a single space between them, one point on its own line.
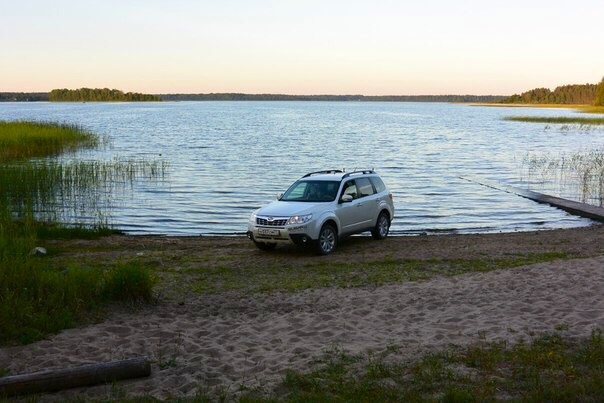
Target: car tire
265 245
382 226
328 240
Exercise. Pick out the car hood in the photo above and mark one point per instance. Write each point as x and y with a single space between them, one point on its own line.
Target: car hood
286 208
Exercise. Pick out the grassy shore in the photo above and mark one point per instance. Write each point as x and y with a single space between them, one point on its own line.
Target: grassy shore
24 140
551 367
548 368
35 298
189 267
556 120
577 107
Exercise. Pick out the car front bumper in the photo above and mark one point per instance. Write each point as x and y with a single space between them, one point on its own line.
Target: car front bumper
297 233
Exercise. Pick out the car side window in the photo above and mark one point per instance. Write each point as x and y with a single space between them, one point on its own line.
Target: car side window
350 188
379 185
364 187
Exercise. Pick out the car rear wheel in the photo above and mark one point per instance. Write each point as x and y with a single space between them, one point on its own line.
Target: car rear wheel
382 226
265 245
328 240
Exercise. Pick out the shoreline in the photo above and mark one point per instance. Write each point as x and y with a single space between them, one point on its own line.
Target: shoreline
583 108
228 337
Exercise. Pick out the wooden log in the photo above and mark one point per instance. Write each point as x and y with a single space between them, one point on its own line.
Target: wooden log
86 375
573 207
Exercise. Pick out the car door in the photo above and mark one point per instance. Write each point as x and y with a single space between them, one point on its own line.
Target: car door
349 213
368 203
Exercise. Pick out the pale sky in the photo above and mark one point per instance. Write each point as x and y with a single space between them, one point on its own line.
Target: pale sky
301 47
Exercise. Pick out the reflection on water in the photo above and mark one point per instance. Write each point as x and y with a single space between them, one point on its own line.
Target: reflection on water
228 158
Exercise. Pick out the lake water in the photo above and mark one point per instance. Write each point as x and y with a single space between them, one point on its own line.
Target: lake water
228 158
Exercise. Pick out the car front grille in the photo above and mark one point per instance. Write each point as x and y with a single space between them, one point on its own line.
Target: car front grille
280 222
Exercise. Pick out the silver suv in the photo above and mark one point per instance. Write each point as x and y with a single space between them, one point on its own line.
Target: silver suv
321 207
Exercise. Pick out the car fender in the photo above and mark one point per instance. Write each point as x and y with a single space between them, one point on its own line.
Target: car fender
326 216
385 206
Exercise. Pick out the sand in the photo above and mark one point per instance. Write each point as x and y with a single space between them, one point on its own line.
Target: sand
229 340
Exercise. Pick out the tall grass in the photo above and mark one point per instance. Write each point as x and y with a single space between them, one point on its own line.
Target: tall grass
556 120
36 299
56 190
23 140
581 173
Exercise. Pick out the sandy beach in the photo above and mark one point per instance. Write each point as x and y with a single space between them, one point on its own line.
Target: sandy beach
230 339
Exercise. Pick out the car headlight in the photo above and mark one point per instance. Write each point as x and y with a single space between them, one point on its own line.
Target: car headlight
253 217
299 219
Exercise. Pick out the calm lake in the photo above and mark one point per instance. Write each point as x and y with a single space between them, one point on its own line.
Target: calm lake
229 158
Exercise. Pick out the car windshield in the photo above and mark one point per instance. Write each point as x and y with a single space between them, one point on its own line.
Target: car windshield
312 191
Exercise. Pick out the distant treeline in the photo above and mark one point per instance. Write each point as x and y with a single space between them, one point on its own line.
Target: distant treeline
566 94
600 94
358 98
23 96
109 95
99 95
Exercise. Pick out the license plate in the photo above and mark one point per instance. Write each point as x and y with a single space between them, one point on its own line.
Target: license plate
268 231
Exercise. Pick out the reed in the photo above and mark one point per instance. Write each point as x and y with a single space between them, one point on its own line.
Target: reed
57 190
581 173
557 120
38 199
23 140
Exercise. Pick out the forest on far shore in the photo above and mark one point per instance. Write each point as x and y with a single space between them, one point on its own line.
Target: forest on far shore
109 95
99 95
577 94
573 94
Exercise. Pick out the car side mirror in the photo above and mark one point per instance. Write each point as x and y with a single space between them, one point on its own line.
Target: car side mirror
279 196
346 198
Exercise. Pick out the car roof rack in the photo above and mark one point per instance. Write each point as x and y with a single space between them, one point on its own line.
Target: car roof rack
329 171
360 172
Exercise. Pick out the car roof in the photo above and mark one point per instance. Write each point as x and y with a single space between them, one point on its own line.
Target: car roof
324 177
337 176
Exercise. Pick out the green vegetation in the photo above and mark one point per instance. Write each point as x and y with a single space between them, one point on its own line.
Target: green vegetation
549 368
557 120
24 140
582 173
217 278
566 94
37 301
56 189
99 95
599 101
35 298
591 109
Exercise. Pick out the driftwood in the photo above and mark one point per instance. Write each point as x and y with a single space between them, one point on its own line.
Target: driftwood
86 375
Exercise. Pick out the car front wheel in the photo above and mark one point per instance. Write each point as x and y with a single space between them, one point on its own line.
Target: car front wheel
382 226
328 240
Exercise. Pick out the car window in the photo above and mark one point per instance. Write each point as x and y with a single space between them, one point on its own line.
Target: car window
350 188
364 187
378 183
312 191
298 190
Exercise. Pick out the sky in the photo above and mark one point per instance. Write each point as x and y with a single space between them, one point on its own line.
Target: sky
371 47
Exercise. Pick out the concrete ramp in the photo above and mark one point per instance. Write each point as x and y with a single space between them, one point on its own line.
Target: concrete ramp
573 207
